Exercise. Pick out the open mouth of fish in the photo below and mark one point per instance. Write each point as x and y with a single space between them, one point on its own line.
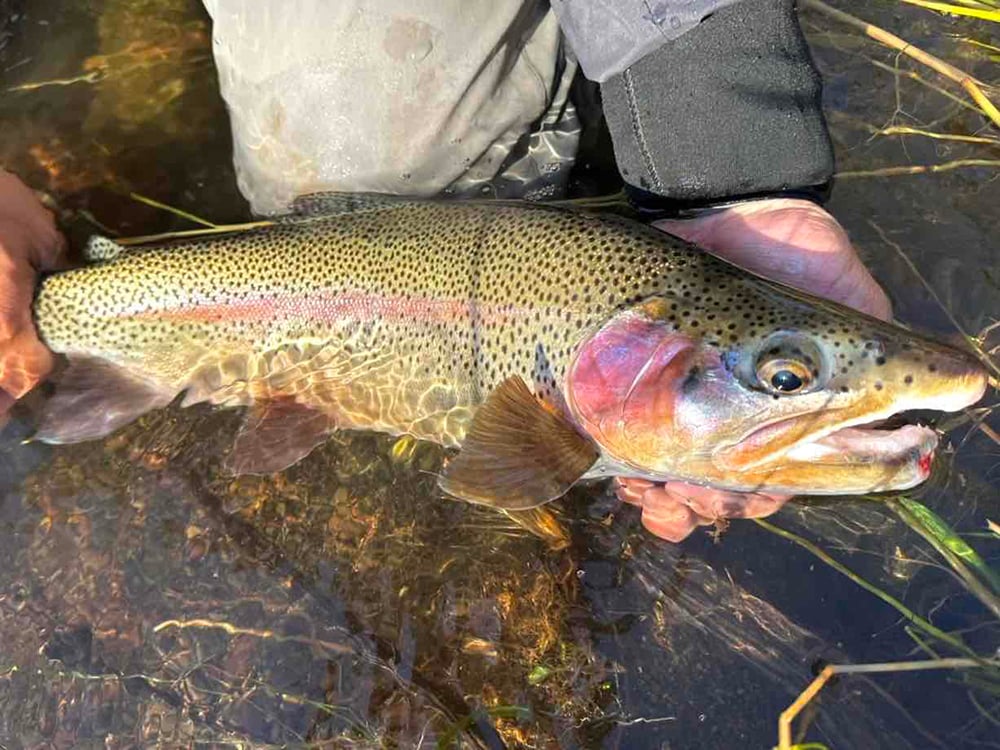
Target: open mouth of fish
884 442
896 437
890 440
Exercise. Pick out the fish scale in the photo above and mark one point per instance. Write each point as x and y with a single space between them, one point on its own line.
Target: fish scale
406 316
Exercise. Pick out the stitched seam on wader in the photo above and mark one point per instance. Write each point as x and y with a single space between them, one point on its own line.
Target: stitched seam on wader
640 136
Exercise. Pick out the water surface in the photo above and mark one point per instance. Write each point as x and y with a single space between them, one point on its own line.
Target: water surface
148 600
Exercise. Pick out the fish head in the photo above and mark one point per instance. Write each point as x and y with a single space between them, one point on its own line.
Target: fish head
776 392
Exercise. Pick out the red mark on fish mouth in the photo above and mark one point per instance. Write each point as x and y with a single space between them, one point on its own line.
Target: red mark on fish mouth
925 461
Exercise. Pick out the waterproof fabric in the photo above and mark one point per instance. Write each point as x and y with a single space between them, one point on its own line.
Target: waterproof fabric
730 109
607 36
471 97
392 96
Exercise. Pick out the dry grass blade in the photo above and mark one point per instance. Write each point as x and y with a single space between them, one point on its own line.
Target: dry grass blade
235 630
982 13
973 341
918 168
992 50
192 233
789 714
92 77
963 79
905 130
176 211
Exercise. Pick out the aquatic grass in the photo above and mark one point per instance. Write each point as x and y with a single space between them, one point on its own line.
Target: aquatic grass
617 200
976 343
904 130
832 670
208 228
192 233
980 579
984 583
973 87
265 634
981 11
992 51
171 209
918 169
917 78
450 738
92 77
915 620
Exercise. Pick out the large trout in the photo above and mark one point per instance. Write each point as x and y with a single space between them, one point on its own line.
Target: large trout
547 345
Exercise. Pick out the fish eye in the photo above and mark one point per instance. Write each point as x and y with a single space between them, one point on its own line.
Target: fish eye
784 376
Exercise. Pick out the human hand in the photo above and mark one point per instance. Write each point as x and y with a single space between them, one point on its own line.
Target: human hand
792 241
29 243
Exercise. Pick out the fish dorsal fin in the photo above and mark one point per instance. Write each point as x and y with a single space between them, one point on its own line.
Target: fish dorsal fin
517 454
275 435
94 398
101 248
315 205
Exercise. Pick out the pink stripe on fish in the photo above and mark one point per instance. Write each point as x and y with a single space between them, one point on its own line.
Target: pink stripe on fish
332 308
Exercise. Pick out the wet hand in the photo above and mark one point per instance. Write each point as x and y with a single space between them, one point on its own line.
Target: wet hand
792 241
29 243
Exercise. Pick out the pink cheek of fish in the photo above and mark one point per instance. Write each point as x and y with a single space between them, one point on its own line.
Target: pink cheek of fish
624 383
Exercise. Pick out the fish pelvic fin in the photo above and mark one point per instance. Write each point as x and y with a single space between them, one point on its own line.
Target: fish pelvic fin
517 454
275 435
93 398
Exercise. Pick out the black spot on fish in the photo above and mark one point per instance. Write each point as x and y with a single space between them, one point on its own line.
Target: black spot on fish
692 380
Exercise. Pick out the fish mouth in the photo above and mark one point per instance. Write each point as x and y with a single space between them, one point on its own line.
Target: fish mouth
868 444
853 457
849 448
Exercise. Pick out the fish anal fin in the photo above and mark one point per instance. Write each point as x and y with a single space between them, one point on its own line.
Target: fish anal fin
517 454
93 398
277 434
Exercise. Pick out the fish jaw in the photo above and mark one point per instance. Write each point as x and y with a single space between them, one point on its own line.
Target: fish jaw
672 407
835 452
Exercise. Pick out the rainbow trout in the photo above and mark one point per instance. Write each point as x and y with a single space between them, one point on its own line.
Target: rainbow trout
547 345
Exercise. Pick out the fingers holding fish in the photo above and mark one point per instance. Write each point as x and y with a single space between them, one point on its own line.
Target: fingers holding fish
29 243
43 245
673 510
792 241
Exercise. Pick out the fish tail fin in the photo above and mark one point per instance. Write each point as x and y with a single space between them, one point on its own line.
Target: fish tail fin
93 398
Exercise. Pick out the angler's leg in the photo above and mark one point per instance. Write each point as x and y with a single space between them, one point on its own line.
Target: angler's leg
392 96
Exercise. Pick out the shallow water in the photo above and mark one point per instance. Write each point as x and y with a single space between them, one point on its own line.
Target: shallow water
145 599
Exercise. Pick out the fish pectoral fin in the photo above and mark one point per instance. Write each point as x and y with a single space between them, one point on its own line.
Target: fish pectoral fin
275 435
93 398
517 454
